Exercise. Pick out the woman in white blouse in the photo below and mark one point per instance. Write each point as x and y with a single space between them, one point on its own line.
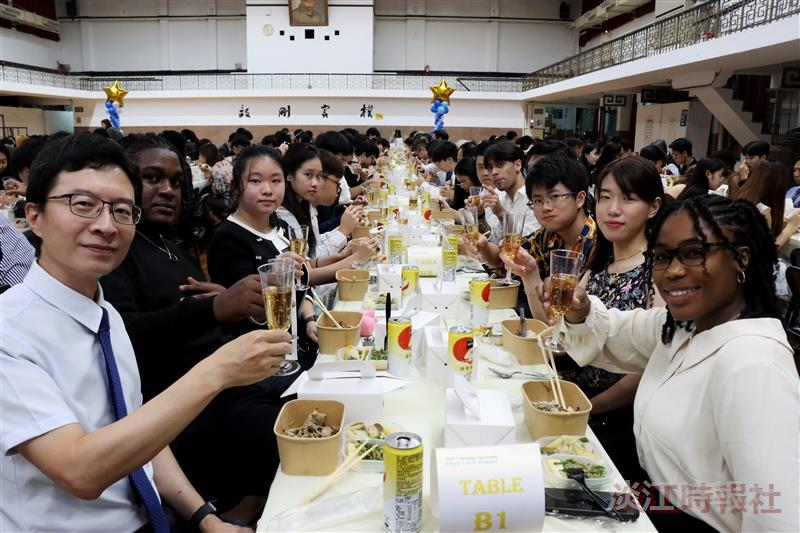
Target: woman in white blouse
716 413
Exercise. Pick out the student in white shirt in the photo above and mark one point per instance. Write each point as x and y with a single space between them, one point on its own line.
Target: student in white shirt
303 169
71 459
443 155
504 161
716 412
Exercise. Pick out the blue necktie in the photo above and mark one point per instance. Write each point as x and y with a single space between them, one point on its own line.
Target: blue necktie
139 480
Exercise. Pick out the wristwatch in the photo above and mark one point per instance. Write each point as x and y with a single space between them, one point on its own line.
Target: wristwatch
311 318
204 510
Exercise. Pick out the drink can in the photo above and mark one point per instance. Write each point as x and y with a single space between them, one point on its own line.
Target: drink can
409 281
454 240
397 249
399 346
479 289
402 483
459 350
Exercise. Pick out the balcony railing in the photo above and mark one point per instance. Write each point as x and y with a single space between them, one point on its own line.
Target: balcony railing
265 82
706 21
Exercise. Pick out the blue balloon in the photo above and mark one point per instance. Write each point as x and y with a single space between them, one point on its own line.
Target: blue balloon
434 107
446 106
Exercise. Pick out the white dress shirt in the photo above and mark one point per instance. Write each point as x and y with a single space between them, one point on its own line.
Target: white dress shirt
715 409
328 243
345 197
518 206
52 373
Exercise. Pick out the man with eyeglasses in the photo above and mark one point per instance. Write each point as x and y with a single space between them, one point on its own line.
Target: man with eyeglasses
558 189
504 161
80 451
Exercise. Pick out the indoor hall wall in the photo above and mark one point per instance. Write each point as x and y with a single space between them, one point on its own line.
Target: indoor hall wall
219 134
154 35
152 44
28 49
667 121
179 110
515 36
343 46
38 121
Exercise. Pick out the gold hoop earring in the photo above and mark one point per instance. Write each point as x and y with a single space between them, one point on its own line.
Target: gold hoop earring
741 277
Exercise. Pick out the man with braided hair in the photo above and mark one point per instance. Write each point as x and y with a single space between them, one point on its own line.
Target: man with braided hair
717 406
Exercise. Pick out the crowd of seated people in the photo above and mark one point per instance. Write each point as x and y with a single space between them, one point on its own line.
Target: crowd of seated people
151 392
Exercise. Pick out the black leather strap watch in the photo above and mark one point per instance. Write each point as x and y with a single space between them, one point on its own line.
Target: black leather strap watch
204 510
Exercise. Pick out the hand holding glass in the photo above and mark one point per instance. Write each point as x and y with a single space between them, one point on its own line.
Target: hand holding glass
564 269
512 238
298 243
470 216
277 286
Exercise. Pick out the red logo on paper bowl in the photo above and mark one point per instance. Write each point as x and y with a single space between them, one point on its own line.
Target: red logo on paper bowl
427 214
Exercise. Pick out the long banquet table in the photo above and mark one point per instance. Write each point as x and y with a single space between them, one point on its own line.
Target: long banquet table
419 408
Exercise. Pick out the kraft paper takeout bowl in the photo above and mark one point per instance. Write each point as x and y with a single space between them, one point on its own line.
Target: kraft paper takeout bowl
503 295
332 338
309 456
353 284
542 423
526 350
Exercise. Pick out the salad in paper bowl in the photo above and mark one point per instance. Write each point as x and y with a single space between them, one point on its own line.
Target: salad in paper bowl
373 434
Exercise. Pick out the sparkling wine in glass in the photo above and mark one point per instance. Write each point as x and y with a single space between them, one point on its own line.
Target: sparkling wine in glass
512 238
474 196
277 286
565 267
470 215
298 243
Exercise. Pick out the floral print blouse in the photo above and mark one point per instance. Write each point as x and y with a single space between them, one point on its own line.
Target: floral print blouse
624 291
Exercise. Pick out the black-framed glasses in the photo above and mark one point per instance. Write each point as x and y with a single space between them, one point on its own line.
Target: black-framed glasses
551 199
90 206
690 254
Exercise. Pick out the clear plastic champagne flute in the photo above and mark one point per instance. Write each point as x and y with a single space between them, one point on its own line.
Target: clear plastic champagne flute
565 266
470 217
298 243
512 238
277 287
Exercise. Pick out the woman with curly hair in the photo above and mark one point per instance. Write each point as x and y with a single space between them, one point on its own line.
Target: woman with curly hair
716 408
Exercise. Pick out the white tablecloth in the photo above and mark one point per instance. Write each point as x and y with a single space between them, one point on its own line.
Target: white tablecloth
419 408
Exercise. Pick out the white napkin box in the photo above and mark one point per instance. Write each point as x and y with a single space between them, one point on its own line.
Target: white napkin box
494 426
440 297
354 383
389 279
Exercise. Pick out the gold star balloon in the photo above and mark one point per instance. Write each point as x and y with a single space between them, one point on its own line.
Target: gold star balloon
442 92
115 93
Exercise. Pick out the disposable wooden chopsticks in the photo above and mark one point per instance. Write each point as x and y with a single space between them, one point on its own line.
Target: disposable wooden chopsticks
552 374
320 303
351 460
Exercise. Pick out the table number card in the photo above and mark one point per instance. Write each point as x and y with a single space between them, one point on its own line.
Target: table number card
492 488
